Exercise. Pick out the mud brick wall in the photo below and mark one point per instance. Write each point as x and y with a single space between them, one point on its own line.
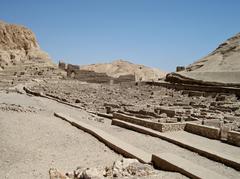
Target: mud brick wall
92 77
74 71
124 78
233 138
62 66
180 68
206 131
169 112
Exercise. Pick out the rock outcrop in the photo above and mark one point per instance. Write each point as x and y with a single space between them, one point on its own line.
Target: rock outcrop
21 58
18 44
120 68
221 67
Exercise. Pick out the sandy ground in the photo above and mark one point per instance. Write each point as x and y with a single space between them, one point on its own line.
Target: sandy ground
33 141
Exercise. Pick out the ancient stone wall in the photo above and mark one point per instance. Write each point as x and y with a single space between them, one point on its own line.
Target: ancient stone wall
74 71
62 65
180 68
92 77
206 131
124 78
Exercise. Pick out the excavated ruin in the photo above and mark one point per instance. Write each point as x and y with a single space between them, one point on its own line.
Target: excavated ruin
89 120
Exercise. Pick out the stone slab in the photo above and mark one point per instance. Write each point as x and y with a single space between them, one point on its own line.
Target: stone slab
224 156
114 143
171 162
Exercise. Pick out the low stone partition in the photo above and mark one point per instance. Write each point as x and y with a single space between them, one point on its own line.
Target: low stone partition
233 138
161 127
205 131
92 77
170 112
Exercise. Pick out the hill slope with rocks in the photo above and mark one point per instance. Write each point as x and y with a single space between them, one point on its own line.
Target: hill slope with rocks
18 44
122 67
222 66
21 58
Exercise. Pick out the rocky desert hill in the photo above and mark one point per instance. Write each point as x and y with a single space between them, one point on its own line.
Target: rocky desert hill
21 58
18 44
122 67
222 66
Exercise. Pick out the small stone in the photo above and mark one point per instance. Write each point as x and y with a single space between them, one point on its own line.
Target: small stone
77 101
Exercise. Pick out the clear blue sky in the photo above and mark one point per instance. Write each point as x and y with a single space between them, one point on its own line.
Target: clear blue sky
157 33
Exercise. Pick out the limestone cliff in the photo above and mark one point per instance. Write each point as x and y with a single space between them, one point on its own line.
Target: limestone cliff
18 44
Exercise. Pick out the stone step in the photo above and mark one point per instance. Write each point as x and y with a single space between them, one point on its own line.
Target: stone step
162 161
224 156
174 163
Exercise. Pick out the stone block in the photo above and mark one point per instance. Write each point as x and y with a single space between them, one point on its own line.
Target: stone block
168 111
180 68
233 138
213 122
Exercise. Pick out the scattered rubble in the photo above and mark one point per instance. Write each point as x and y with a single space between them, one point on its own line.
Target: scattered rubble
17 108
125 168
154 103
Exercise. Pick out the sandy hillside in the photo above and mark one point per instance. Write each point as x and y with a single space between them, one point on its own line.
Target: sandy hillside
221 66
121 67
